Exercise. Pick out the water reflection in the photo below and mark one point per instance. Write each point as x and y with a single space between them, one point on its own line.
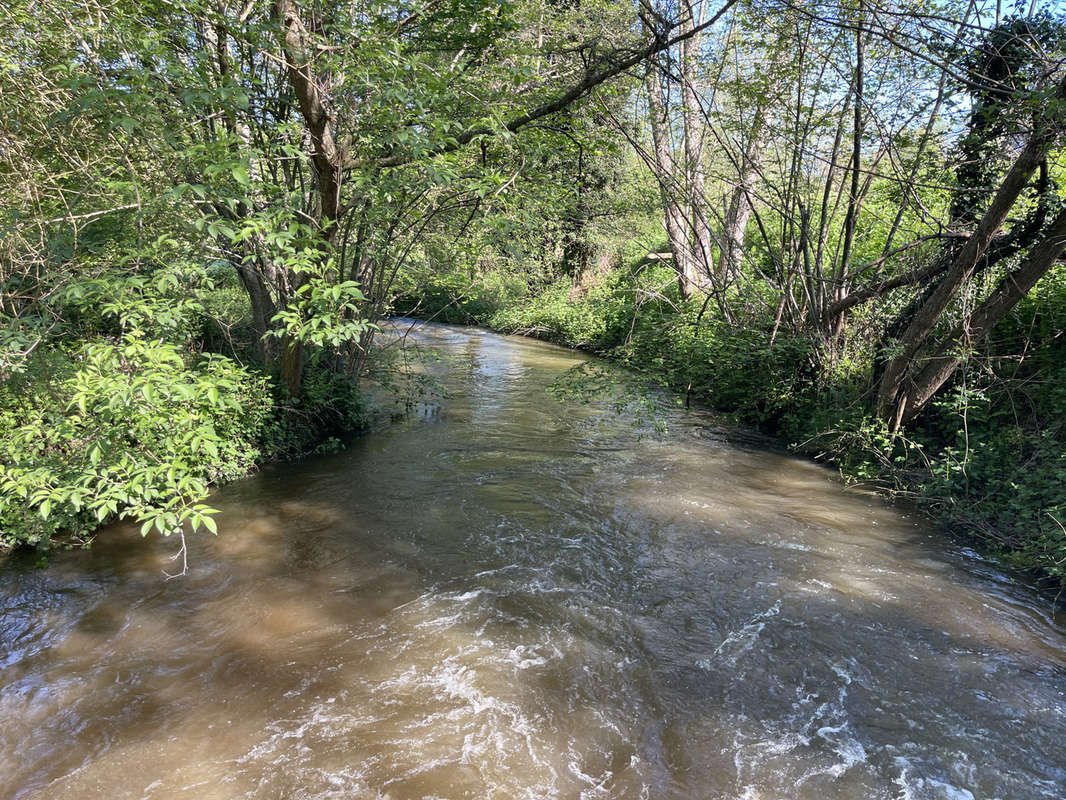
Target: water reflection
518 597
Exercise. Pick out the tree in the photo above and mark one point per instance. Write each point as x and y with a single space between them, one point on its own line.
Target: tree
1004 101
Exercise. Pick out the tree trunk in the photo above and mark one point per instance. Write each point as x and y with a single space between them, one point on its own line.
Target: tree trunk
312 95
673 216
835 325
292 366
738 210
938 369
694 138
738 207
263 308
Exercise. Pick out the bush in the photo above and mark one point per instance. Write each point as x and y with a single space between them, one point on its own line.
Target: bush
593 317
134 428
457 298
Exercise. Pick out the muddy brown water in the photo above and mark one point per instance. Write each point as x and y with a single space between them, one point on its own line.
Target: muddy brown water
509 595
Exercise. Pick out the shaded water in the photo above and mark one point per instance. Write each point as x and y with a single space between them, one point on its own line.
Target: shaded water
513 596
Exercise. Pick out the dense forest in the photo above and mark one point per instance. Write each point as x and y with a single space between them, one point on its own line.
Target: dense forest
839 221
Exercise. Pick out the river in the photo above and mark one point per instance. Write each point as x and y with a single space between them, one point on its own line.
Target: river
510 595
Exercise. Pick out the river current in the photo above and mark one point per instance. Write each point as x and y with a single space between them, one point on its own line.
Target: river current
508 594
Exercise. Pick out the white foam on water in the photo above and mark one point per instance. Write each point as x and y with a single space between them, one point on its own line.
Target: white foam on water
849 749
525 657
741 640
784 544
926 788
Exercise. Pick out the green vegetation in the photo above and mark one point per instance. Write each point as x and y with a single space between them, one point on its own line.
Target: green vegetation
120 411
840 223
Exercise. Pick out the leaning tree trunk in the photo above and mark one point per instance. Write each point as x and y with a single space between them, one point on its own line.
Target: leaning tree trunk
738 206
892 400
940 367
694 135
263 308
673 214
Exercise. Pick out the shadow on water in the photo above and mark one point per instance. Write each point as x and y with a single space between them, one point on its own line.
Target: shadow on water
516 597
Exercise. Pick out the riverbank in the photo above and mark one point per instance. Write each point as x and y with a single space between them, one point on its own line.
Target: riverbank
974 463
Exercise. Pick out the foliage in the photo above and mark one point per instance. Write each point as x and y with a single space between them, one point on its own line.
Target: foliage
555 317
331 408
1001 467
323 314
456 296
129 429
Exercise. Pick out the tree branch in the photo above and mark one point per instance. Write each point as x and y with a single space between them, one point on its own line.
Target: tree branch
593 78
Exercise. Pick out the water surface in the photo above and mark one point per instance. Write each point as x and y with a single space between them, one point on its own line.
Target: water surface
508 595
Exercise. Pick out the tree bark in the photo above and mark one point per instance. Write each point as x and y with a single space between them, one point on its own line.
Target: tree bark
263 308
854 198
312 96
739 206
694 134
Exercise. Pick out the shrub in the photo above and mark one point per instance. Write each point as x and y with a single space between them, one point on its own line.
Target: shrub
134 429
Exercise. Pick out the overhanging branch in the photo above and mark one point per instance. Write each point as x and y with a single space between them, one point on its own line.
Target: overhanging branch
593 78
